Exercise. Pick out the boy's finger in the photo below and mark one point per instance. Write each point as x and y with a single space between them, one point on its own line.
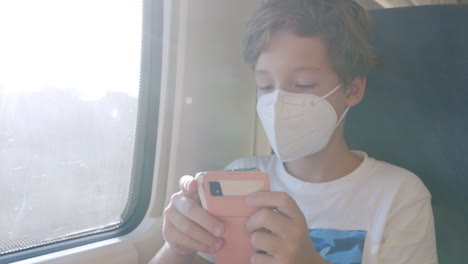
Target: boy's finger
281 201
191 229
193 210
189 186
258 258
265 218
185 242
266 242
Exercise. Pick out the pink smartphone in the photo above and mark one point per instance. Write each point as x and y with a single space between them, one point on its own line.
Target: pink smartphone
223 193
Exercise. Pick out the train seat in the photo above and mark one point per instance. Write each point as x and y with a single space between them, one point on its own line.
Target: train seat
415 111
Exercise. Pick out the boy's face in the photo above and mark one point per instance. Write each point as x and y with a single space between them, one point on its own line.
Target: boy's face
298 65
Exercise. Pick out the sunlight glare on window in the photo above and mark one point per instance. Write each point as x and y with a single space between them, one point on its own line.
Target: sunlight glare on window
88 45
69 87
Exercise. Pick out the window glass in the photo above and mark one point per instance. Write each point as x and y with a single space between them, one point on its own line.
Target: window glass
69 85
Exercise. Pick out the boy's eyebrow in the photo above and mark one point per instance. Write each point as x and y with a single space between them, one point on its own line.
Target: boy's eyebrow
298 69
307 68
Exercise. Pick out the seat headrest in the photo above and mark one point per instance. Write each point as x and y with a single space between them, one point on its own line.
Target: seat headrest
415 110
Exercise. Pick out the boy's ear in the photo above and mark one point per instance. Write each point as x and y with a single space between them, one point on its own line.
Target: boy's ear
355 91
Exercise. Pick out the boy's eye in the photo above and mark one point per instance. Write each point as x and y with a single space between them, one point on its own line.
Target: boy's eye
266 88
305 86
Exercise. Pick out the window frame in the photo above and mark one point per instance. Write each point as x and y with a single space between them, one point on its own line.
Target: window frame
145 140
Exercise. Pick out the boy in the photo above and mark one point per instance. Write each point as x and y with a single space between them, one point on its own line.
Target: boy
333 205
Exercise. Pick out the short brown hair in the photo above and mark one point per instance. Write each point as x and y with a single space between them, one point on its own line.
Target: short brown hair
343 24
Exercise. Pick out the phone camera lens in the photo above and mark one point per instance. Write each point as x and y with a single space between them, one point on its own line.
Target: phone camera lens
215 188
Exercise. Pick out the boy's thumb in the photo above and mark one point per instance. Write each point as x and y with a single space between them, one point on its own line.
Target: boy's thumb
189 186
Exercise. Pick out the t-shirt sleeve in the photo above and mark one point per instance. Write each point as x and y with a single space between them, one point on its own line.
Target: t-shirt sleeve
409 236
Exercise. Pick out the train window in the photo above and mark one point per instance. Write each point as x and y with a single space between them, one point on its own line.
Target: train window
69 105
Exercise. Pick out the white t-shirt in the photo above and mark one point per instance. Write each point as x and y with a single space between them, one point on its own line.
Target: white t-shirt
379 213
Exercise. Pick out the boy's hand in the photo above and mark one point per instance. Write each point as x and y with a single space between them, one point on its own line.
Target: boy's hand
187 227
282 233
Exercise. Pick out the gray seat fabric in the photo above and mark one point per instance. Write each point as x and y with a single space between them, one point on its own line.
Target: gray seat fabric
415 111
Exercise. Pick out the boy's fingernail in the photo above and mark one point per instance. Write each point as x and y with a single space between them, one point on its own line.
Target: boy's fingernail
218 244
218 230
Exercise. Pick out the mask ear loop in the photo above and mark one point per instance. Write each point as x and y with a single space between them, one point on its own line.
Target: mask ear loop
341 118
331 92
344 113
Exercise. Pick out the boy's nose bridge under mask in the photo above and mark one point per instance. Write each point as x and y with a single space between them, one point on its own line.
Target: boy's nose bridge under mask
292 98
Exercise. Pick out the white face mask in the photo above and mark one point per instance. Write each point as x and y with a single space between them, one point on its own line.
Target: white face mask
297 125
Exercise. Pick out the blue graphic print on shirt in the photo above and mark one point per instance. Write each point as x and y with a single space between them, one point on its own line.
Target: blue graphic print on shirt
339 246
